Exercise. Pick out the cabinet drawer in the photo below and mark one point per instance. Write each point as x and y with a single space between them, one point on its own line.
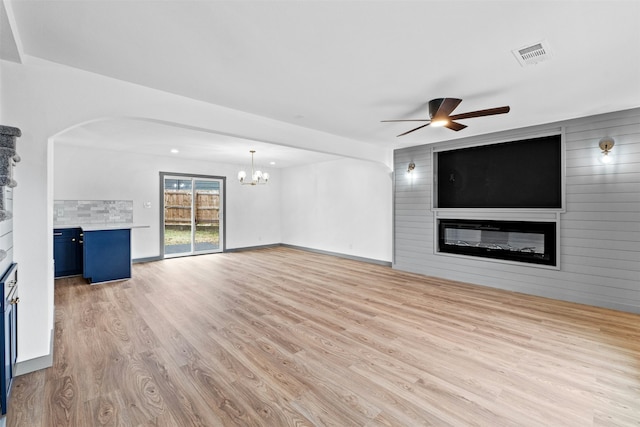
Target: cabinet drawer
63 233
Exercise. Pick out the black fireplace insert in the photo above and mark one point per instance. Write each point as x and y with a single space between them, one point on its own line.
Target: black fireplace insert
523 241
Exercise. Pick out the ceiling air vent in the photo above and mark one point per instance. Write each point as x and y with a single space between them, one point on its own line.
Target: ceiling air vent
531 55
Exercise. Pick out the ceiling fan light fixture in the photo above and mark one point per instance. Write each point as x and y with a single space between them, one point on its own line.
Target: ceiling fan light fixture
439 122
440 110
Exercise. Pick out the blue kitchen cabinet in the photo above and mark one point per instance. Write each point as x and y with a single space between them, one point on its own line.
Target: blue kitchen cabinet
67 251
107 255
8 330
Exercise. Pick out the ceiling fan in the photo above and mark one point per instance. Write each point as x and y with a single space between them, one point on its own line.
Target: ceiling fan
440 110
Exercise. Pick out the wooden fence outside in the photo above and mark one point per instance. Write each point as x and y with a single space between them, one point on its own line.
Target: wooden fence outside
177 207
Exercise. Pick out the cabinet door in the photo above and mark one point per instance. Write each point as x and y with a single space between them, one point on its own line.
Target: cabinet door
63 256
12 342
66 252
9 354
8 329
5 381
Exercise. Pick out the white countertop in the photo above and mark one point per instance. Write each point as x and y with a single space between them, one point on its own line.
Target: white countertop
103 227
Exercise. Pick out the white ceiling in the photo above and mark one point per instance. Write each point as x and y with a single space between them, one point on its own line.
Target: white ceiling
342 66
147 137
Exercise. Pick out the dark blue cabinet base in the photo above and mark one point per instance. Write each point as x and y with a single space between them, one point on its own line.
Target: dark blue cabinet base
67 251
8 330
107 255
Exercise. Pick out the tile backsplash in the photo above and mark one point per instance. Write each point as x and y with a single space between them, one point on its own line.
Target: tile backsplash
72 212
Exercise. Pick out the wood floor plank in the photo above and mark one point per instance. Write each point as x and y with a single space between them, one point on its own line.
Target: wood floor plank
107 410
29 391
62 403
283 337
186 409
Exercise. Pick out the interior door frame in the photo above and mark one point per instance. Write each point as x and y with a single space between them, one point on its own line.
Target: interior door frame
223 200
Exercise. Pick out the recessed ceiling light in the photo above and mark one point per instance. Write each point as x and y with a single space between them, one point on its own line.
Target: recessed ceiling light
175 150
272 163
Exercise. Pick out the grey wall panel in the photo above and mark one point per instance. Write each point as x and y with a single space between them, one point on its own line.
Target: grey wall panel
599 239
598 190
588 253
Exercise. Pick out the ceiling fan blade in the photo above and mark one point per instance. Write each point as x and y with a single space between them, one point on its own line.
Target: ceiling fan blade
480 113
455 126
412 130
407 120
442 107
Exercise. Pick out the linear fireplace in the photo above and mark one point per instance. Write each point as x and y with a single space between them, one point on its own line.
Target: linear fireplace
523 241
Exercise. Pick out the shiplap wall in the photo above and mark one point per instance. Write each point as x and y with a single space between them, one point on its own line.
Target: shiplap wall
599 239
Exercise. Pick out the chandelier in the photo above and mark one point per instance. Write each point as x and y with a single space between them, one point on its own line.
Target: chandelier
257 177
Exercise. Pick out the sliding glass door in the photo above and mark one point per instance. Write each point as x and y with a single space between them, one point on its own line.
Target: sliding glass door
192 222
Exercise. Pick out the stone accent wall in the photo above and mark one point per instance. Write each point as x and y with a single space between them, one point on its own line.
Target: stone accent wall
73 212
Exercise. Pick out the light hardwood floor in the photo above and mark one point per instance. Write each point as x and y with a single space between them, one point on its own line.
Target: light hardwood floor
281 337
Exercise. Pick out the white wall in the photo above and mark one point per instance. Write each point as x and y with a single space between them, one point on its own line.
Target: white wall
80 173
342 206
43 99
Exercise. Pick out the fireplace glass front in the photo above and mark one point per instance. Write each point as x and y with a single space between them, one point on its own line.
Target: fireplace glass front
523 241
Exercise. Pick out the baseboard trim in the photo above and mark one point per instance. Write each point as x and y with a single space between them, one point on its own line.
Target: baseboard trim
251 248
147 259
286 245
339 255
32 365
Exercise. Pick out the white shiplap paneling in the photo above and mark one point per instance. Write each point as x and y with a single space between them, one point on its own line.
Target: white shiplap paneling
599 246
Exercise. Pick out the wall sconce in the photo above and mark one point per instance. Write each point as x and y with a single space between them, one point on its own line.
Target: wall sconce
411 167
606 144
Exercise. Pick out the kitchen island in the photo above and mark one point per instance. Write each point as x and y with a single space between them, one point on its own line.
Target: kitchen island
100 252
